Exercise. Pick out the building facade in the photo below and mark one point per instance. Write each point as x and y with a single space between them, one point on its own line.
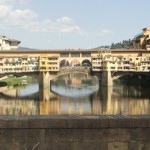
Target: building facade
8 44
142 40
54 61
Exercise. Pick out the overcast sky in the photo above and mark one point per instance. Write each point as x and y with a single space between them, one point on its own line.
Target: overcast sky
60 24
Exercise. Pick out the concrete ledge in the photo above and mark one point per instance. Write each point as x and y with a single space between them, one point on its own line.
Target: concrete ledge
74 122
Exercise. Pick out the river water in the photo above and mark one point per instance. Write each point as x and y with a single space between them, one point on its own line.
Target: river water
77 94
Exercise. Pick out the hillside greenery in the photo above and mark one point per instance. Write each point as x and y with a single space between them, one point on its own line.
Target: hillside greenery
121 45
125 44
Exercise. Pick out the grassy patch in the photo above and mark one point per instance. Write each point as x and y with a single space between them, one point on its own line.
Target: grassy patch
17 80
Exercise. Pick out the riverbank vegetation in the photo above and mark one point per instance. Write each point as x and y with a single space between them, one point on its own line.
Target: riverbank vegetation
15 81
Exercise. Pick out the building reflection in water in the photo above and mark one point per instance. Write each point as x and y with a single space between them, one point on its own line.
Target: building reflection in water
119 99
18 107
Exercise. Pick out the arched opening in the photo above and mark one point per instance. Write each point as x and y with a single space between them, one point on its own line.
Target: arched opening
64 63
86 63
134 79
75 63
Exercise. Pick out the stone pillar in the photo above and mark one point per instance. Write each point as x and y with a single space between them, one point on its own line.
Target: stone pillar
106 79
86 76
69 75
44 80
44 94
106 95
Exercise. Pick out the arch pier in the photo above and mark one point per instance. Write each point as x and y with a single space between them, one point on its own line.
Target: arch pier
44 79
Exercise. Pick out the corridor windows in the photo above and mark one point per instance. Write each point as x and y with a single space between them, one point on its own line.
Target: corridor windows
86 54
75 54
64 54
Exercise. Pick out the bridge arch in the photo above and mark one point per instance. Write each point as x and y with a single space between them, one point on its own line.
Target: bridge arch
64 63
86 63
116 76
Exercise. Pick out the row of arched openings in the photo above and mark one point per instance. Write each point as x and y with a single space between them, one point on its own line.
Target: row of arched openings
75 63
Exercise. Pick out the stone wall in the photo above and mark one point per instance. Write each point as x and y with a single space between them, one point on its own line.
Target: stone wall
75 133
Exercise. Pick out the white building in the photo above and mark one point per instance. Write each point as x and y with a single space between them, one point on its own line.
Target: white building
8 44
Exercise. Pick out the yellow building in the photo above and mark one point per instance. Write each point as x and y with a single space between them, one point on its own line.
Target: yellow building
142 40
49 62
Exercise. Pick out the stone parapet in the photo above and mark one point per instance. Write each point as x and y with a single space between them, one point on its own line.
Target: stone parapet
67 121
75 132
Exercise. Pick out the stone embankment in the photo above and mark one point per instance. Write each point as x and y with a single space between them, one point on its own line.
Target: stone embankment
75 133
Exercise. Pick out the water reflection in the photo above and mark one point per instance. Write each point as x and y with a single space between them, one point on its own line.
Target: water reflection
30 100
75 85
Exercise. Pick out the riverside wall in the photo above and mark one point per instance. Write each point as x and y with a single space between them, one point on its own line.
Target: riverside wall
75 132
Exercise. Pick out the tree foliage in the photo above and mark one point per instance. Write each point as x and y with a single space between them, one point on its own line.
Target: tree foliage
121 45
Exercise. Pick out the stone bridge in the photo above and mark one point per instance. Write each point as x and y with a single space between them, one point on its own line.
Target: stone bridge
49 64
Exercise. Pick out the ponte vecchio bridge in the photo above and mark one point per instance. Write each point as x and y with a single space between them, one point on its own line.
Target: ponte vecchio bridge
105 63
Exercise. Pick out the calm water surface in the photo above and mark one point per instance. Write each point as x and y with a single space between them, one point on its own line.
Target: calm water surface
75 94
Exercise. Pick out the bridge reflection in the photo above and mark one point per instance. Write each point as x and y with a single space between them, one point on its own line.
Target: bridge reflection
106 101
